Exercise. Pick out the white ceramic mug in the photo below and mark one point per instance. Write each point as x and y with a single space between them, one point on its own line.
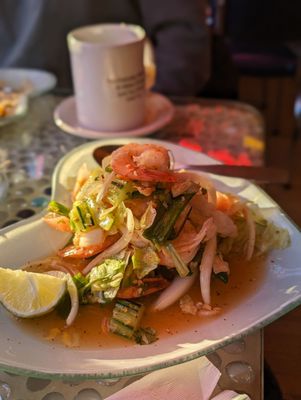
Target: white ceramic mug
108 76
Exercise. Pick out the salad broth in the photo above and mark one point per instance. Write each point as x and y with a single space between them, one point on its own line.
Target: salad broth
89 327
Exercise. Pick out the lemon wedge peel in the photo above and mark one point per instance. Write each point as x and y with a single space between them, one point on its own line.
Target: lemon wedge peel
29 294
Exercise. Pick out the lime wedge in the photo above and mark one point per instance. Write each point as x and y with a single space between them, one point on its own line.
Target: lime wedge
29 294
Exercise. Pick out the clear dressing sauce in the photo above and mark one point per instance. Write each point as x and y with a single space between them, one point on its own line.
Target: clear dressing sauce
89 328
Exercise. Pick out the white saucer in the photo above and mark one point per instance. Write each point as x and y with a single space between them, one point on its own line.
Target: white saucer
159 111
34 81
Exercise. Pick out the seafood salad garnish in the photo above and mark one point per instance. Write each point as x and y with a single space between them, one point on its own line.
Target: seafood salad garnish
140 229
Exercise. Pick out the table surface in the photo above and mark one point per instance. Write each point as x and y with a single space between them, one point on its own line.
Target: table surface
229 131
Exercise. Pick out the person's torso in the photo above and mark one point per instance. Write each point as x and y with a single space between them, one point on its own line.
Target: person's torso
33 33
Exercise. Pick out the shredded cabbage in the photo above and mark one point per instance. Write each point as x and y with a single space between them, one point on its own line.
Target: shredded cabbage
106 278
269 237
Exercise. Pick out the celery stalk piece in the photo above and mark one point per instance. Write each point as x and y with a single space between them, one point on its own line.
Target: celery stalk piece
180 266
81 216
58 208
126 318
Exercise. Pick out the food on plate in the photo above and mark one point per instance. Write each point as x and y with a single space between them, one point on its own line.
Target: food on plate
141 236
28 294
9 101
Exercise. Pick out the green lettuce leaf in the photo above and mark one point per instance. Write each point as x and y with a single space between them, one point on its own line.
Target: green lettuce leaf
105 278
144 261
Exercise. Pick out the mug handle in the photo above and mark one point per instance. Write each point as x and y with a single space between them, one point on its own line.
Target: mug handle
149 64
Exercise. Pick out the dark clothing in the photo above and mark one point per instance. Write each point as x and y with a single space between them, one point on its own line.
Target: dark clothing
33 35
260 21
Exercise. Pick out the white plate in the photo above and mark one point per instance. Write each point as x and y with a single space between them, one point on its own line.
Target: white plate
20 352
38 81
159 112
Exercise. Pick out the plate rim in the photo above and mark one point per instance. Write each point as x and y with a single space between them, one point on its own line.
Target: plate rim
286 307
52 79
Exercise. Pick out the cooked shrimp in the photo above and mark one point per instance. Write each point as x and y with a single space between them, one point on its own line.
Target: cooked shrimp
142 162
73 251
58 222
228 203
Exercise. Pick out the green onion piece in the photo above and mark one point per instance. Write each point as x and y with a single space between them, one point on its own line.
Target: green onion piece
145 336
223 276
174 234
162 195
80 280
58 208
82 284
180 266
118 184
135 195
165 220
81 215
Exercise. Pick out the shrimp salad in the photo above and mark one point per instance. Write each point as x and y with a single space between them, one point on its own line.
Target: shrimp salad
140 229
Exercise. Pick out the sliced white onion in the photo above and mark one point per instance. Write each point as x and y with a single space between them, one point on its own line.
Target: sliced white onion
82 175
105 187
206 269
174 292
117 246
251 232
50 264
106 161
224 224
73 293
66 268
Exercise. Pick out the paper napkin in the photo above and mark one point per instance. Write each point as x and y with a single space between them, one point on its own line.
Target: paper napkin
193 380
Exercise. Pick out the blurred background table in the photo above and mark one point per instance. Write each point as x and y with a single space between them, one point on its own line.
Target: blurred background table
230 132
